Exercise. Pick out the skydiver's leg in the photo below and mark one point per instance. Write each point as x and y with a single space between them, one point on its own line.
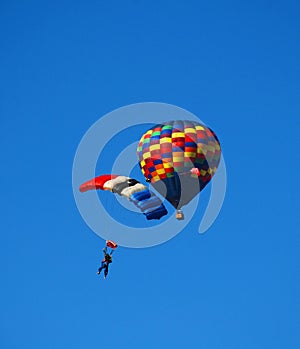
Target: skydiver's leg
101 268
105 271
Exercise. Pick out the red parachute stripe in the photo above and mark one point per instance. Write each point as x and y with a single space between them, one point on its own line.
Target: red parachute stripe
111 244
96 183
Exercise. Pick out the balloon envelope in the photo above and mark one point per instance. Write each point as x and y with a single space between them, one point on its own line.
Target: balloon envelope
179 158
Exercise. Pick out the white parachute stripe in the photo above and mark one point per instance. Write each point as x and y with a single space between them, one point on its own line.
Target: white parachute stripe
127 192
109 185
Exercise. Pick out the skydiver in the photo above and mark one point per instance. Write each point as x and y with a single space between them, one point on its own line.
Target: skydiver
105 262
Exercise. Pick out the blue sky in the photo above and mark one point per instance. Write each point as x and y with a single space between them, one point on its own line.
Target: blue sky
235 65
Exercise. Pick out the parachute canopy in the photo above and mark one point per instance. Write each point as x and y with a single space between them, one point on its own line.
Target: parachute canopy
111 244
145 200
96 183
179 158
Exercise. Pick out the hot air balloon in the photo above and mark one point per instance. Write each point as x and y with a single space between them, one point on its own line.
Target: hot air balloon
145 200
179 158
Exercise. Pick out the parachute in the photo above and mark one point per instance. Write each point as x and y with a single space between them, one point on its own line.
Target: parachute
179 158
148 203
111 244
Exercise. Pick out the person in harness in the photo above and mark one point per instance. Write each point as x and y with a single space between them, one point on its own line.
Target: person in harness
105 262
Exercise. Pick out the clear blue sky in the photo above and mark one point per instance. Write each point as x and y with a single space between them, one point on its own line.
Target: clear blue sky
235 64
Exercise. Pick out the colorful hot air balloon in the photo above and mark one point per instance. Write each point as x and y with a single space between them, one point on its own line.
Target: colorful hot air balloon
145 200
179 158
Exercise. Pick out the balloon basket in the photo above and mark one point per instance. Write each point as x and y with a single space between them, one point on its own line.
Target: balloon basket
179 215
